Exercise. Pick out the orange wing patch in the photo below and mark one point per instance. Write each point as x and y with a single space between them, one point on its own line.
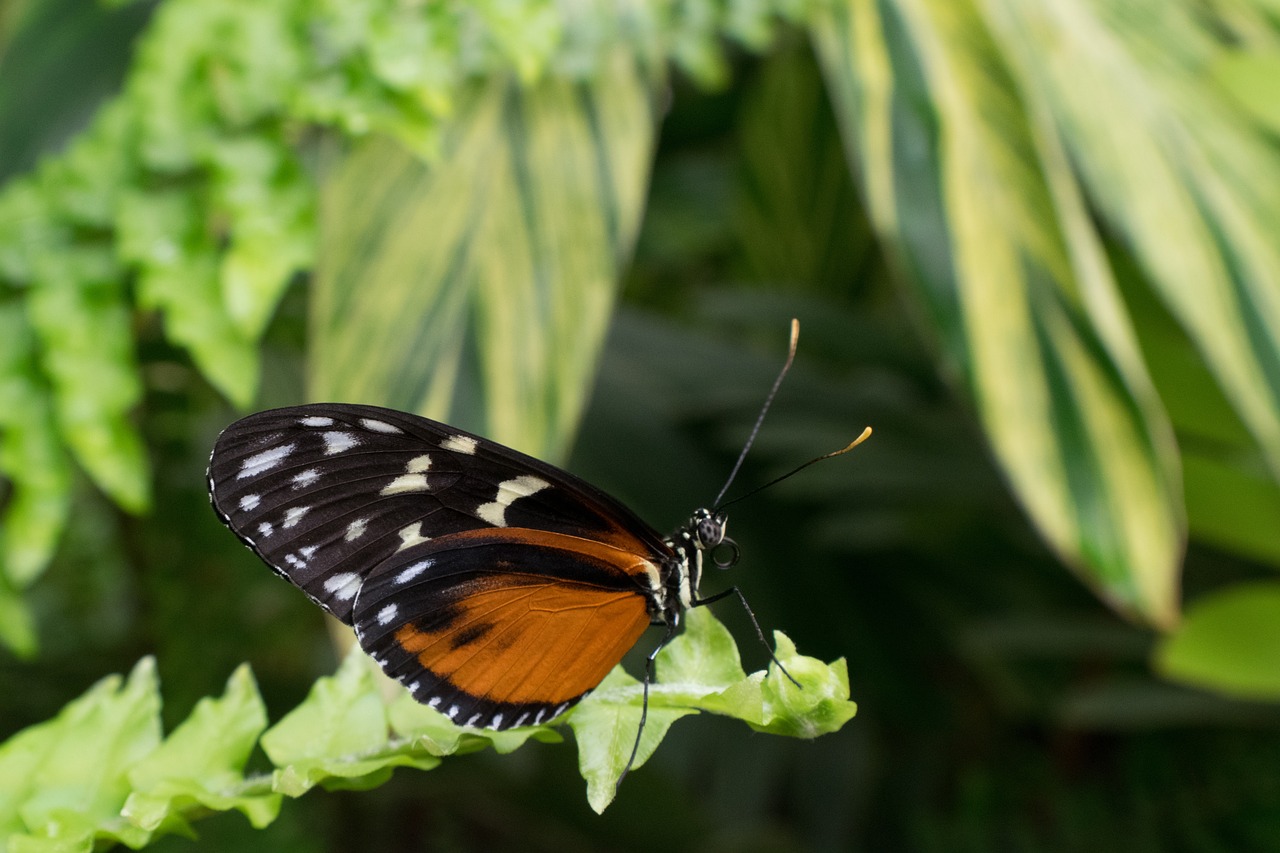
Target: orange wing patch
500 627
530 643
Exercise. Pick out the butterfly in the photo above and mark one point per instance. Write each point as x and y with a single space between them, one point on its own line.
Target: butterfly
497 588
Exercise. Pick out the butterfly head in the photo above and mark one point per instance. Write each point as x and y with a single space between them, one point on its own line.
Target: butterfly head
708 528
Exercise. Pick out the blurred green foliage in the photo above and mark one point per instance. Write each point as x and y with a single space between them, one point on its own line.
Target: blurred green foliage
1031 244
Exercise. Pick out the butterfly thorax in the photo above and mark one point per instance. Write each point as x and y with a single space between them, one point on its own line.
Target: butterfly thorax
682 573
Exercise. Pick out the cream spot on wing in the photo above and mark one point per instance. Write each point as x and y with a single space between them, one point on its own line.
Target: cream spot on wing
374 425
460 444
411 534
337 442
264 461
356 529
509 491
343 586
406 483
418 464
293 515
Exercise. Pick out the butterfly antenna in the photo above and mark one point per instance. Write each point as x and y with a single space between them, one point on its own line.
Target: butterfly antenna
777 383
866 433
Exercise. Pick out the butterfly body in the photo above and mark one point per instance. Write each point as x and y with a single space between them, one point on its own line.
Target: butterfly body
497 588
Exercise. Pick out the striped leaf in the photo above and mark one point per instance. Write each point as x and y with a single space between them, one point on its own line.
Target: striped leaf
970 186
1184 176
501 257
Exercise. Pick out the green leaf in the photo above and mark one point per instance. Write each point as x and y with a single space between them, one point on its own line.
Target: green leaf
260 186
17 627
60 780
163 234
522 225
1249 77
799 221
85 344
1229 641
971 187
33 461
201 763
605 726
819 706
1178 178
1233 504
339 735
700 670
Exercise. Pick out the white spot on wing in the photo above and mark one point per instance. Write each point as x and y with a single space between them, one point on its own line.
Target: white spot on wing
337 442
460 444
414 687
378 426
306 478
266 529
316 421
386 614
413 571
509 491
343 586
264 461
300 559
434 703
411 534
293 515
249 502
472 721
356 529
406 483
496 722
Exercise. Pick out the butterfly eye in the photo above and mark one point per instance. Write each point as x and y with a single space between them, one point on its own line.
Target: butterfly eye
709 530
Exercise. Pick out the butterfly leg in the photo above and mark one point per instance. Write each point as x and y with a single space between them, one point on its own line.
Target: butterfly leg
733 590
644 705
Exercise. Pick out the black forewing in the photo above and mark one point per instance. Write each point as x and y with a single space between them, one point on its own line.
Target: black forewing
325 492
